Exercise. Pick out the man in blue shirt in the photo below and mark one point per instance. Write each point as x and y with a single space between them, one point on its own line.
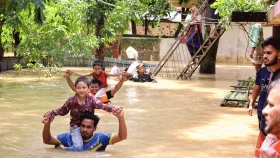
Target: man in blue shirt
92 141
260 88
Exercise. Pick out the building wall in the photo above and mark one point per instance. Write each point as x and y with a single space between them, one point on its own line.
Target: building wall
166 29
148 48
232 46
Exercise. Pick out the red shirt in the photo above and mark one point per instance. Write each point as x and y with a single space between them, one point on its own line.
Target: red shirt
102 77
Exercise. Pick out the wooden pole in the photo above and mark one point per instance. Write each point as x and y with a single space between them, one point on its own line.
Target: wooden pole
276 31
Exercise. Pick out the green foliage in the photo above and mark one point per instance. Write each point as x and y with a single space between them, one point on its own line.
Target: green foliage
17 66
109 52
62 34
63 28
180 2
52 70
125 10
225 8
10 9
36 67
156 10
183 2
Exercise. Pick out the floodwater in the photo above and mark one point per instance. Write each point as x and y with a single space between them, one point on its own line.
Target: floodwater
166 119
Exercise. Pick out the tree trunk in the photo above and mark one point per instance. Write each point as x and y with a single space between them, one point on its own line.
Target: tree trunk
208 65
99 25
178 30
276 31
146 25
1 54
133 27
3 5
16 41
183 17
184 13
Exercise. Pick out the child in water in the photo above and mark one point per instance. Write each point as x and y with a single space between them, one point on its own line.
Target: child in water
99 74
77 104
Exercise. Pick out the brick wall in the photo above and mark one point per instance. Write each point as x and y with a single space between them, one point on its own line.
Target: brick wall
166 29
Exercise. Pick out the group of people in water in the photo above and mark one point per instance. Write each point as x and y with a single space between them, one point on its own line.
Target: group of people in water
91 95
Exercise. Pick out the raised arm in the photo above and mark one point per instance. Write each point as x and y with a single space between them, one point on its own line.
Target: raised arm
110 74
97 104
47 137
60 111
255 93
82 75
118 86
69 81
122 133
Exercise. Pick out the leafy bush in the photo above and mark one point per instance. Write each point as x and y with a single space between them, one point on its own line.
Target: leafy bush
17 66
225 8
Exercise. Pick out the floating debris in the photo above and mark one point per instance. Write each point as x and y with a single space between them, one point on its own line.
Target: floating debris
239 97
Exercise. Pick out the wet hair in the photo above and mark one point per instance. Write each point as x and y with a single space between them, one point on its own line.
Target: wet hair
91 116
272 40
97 63
95 81
82 79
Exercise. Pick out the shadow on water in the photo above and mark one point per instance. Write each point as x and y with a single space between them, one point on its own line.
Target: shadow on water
167 119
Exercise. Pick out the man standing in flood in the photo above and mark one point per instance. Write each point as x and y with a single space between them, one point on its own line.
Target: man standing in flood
94 141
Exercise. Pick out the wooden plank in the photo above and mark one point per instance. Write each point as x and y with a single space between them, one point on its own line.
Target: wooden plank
239 86
239 91
236 100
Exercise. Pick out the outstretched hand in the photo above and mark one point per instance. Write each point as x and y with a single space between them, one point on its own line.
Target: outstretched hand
124 77
46 120
48 117
68 73
118 111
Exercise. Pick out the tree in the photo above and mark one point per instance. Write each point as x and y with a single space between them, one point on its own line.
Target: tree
70 27
208 65
156 10
111 18
9 11
63 32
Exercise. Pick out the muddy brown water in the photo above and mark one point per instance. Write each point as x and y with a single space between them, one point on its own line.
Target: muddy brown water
168 119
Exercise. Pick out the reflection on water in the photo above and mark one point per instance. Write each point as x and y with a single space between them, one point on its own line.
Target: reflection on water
166 119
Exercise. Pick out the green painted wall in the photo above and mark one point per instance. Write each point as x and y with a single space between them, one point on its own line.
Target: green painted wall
148 48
